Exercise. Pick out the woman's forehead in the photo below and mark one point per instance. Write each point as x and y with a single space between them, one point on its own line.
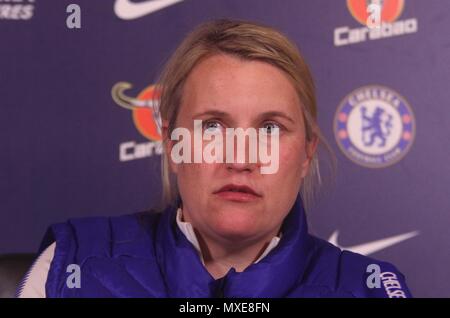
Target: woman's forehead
227 83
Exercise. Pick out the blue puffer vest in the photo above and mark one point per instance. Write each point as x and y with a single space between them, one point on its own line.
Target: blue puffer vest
146 255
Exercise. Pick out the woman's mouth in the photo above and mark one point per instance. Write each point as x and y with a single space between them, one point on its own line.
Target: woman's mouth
238 193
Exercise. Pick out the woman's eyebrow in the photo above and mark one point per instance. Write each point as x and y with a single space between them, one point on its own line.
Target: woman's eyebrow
222 114
213 112
276 114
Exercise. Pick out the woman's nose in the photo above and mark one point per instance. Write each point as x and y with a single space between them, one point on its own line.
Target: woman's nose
240 167
241 156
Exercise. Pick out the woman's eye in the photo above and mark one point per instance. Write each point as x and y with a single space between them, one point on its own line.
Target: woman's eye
270 127
211 125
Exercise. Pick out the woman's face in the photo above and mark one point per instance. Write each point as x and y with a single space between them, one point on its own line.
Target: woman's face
225 92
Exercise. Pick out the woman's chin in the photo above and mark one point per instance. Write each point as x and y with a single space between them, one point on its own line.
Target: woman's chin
237 227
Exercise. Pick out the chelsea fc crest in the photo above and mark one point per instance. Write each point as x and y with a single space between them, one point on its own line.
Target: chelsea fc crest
374 126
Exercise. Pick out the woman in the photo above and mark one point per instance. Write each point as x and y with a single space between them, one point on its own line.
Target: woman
228 229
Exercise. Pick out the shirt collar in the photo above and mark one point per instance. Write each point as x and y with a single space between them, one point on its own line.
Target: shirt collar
188 231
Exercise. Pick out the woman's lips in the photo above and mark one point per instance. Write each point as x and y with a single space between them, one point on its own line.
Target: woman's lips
237 196
238 193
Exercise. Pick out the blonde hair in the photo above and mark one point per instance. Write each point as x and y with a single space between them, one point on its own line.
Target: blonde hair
247 41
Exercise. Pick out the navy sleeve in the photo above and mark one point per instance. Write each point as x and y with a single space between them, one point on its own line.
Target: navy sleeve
369 278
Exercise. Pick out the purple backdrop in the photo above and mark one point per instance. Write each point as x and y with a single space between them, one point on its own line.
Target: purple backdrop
69 150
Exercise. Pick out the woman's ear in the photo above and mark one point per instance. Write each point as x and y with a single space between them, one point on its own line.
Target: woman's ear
310 149
168 145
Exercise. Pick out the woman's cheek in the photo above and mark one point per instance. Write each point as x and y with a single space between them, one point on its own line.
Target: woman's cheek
291 157
194 170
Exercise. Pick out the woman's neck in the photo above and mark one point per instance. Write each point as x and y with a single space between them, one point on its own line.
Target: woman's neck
220 257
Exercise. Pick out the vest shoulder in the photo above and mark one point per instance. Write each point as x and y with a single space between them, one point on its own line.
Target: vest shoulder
337 273
364 276
92 236
108 251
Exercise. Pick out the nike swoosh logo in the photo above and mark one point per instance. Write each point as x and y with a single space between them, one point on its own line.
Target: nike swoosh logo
374 246
128 10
